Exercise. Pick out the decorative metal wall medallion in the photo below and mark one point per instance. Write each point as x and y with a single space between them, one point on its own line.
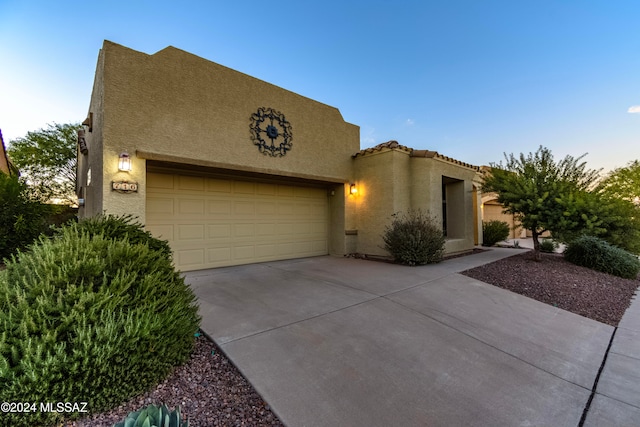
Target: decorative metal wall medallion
271 132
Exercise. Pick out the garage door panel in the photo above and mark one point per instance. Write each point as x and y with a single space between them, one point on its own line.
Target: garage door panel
189 258
285 191
191 206
212 222
161 231
285 208
267 189
266 229
302 209
302 228
219 207
266 208
161 206
217 231
218 256
285 229
219 186
244 252
319 228
242 187
244 208
159 180
320 246
244 230
190 232
190 183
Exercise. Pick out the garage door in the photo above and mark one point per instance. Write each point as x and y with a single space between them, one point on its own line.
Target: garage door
214 222
493 212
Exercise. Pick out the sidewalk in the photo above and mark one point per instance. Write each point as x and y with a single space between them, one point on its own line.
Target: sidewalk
617 398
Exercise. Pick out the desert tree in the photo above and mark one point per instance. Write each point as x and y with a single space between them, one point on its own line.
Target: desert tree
623 183
544 195
47 160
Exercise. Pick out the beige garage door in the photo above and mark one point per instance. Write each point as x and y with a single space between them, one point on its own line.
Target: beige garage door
214 222
493 212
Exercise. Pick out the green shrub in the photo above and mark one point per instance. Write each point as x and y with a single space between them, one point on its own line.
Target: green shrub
414 239
22 216
84 318
117 227
595 253
548 245
494 231
60 215
153 416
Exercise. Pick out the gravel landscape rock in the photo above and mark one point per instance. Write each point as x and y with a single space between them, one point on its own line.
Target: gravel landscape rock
555 281
209 390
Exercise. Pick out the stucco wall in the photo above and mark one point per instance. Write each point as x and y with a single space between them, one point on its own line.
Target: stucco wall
393 180
92 163
174 106
383 182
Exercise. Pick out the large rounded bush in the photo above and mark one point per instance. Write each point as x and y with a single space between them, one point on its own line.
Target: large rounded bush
595 253
414 239
85 318
494 231
118 227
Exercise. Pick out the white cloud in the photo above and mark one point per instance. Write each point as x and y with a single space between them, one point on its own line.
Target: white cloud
634 109
409 122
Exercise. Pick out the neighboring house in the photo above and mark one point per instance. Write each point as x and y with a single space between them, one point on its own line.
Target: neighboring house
233 170
492 210
6 166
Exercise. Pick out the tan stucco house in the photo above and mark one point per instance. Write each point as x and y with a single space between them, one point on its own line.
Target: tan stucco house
233 170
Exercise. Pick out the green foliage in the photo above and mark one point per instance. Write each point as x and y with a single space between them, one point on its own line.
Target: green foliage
47 158
548 245
595 253
87 318
598 214
414 239
623 183
540 192
118 227
22 216
494 231
620 222
153 416
60 215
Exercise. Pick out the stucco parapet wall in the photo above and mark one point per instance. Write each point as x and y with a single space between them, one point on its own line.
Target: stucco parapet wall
394 145
176 103
168 158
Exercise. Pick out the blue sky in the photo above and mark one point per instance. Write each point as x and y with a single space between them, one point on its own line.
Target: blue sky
470 79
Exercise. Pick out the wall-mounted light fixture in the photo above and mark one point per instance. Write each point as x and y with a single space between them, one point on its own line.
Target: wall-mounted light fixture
353 189
124 162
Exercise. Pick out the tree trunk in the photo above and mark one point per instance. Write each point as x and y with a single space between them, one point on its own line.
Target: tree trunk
536 245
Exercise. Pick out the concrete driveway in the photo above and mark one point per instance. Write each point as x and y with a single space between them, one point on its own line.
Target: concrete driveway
344 342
